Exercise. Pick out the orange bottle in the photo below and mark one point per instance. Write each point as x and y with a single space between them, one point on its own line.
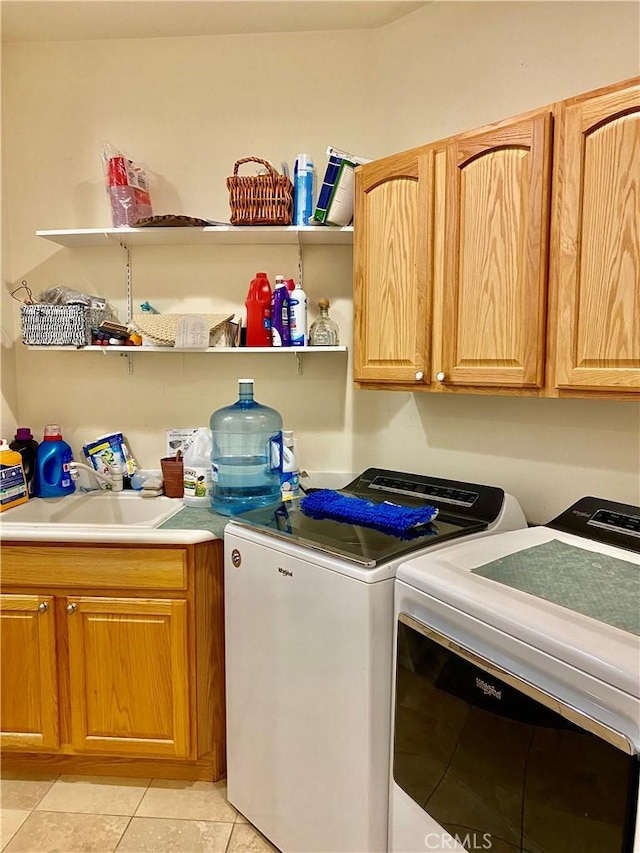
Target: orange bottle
258 305
13 483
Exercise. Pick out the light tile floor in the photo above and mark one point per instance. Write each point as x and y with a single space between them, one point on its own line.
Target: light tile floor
94 814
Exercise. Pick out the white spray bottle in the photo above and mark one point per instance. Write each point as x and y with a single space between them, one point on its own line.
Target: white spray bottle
290 476
298 317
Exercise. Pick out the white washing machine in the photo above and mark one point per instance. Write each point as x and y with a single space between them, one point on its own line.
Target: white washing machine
309 650
516 706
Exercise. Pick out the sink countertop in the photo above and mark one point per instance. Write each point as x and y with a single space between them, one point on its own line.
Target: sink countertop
188 526
191 518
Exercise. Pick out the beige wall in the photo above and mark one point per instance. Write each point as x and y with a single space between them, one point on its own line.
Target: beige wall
189 107
457 65
8 390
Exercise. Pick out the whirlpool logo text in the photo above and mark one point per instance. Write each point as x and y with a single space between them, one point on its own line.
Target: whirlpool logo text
488 689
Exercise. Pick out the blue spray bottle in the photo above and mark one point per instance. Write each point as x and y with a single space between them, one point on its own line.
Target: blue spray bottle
303 190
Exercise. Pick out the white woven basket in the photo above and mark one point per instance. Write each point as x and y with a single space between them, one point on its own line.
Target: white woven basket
60 325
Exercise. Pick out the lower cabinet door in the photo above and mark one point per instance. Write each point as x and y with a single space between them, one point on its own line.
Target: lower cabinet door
129 676
28 673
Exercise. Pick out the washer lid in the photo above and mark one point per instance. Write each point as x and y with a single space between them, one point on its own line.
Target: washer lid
464 509
366 546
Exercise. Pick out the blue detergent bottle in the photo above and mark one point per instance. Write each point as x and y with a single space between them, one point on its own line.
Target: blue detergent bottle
53 457
246 454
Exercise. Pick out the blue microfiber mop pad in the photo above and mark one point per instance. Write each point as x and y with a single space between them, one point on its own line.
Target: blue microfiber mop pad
386 516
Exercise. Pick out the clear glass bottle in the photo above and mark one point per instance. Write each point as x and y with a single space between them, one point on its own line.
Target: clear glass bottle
323 331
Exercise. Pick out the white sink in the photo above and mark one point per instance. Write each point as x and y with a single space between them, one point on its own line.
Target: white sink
97 509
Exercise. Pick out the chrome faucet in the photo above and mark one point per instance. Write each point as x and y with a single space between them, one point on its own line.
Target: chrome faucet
113 480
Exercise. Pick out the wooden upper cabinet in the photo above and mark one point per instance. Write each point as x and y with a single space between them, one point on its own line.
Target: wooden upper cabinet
507 259
392 267
494 291
595 270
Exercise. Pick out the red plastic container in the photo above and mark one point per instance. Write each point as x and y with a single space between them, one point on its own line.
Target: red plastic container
258 305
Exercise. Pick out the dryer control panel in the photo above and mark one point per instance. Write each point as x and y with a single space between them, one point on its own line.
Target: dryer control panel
602 521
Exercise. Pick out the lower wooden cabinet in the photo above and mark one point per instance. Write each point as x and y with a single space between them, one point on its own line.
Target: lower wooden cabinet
28 673
94 674
129 668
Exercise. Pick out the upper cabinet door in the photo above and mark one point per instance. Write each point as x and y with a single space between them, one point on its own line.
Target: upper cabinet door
496 249
595 271
392 268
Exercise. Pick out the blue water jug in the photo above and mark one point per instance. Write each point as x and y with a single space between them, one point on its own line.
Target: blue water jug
53 458
246 454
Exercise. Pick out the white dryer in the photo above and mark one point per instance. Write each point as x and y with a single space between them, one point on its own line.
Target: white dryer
516 707
309 654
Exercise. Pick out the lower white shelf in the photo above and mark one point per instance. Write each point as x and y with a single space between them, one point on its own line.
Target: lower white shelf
236 350
297 352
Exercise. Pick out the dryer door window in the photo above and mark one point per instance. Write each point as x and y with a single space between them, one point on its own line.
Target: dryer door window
493 765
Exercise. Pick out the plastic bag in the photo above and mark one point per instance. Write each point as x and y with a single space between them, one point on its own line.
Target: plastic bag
127 188
107 450
59 295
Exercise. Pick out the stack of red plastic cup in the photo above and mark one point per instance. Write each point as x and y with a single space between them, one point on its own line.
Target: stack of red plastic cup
121 195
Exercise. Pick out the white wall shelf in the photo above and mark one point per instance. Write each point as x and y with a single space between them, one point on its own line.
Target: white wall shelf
217 235
192 350
297 352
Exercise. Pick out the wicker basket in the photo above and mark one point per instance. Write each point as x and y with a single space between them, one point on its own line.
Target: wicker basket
260 199
60 325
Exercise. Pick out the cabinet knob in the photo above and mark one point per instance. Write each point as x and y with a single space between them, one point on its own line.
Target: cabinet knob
441 376
419 376
71 608
43 607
